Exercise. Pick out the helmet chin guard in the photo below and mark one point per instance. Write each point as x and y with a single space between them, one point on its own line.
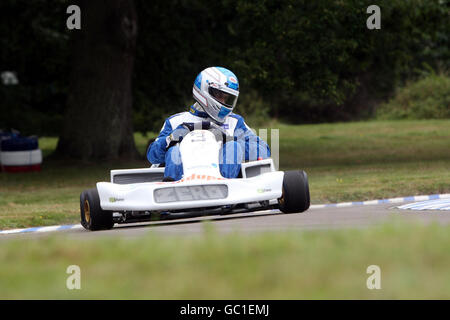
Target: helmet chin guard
216 89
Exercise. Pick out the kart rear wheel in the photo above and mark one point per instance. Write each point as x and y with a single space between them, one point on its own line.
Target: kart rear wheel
92 216
295 197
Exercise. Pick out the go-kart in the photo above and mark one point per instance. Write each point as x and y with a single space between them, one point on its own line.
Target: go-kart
136 195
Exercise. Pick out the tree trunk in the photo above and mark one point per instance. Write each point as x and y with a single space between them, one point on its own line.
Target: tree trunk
98 118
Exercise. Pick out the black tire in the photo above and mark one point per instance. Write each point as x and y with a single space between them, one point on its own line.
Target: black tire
92 216
295 196
82 217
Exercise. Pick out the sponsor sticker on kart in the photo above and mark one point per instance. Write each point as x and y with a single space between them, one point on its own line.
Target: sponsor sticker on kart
194 177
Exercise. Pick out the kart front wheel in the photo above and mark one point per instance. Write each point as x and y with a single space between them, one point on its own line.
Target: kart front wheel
92 216
295 197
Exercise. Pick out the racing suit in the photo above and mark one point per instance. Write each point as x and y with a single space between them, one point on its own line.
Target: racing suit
245 146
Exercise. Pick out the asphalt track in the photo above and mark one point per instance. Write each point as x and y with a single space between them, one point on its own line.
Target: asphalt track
314 218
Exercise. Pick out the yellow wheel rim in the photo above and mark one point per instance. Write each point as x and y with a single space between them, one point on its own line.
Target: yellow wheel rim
281 200
87 211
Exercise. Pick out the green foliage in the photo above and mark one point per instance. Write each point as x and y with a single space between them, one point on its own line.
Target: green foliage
428 98
316 55
254 109
34 44
309 61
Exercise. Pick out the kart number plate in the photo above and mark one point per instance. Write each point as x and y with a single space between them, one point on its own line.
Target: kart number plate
190 193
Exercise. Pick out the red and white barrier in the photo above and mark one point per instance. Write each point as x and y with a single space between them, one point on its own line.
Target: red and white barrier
21 161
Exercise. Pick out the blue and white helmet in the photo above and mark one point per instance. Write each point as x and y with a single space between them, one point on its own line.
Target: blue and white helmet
216 89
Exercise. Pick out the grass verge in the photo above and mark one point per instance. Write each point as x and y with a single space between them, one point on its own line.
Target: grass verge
329 264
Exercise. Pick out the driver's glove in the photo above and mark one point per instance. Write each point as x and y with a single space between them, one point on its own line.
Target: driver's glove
220 131
178 134
182 130
215 126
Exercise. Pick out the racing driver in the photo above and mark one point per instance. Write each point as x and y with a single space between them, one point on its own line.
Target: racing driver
216 92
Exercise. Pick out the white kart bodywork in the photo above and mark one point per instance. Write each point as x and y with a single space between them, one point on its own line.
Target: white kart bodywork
202 184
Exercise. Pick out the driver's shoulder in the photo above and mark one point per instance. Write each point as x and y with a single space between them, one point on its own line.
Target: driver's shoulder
238 120
174 117
235 117
185 116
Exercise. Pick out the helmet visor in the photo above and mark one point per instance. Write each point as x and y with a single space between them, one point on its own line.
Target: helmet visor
223 97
